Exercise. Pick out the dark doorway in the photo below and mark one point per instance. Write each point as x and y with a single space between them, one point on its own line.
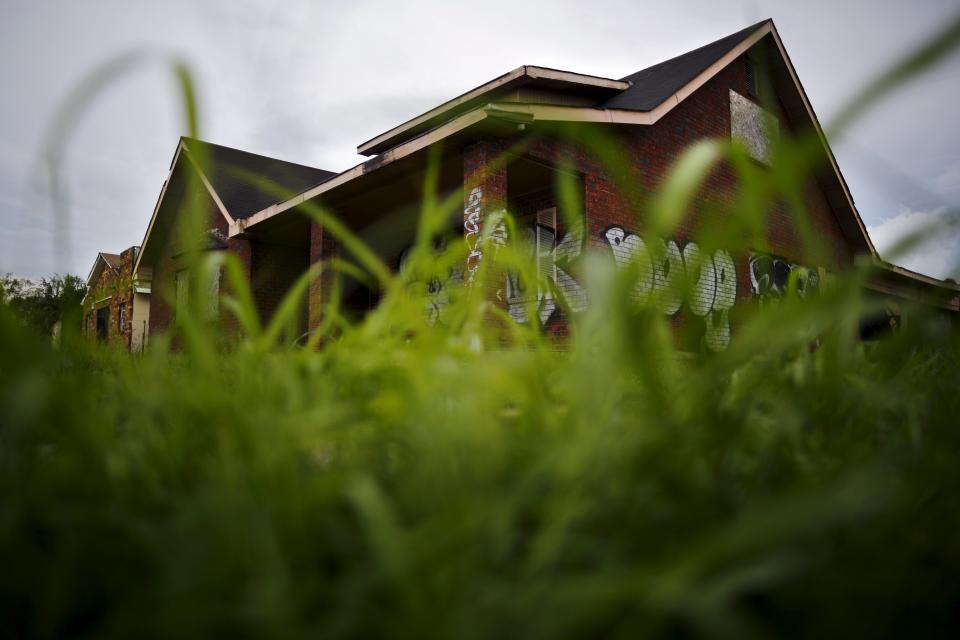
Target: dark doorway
102 322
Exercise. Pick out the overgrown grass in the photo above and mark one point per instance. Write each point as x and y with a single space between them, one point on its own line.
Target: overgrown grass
464 479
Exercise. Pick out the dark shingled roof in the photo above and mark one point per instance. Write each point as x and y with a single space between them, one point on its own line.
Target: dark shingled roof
655 84
227 170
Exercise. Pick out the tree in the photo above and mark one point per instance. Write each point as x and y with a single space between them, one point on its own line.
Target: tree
42 304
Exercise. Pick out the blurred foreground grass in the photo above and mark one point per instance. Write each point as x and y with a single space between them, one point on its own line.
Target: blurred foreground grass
391 485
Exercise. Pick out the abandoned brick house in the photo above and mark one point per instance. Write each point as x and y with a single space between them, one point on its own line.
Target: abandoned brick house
116 308
713 92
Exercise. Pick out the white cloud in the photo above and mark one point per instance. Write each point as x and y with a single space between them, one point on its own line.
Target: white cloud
937 253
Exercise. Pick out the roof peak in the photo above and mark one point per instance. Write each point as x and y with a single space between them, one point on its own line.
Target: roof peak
737 35
229 171
654 84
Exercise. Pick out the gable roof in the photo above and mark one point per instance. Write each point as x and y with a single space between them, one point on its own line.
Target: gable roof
226 170
644 98
113 260
651 86
102 261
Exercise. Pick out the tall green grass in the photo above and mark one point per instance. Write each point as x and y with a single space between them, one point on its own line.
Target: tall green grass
464 479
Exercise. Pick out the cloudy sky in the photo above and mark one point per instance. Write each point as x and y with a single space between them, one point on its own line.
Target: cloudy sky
309 81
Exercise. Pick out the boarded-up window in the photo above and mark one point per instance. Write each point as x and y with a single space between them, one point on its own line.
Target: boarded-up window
211 302
755 127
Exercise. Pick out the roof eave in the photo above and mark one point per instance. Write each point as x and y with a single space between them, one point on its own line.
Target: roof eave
863 236
156 209
882 264
396 135
93 269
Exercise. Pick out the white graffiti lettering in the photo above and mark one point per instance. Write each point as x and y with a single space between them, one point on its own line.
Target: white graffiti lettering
710 281
471 232
717 319
553 259
629 248
667 276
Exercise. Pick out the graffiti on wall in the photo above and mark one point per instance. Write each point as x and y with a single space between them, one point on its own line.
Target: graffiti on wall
436 292
668 275
666 272
553 259
770 277
471 232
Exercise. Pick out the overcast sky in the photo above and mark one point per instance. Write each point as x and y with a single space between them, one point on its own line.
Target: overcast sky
309 81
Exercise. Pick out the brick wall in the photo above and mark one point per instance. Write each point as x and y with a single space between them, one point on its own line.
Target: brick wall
323 247
651 151
242 248
484 192
274 270
622 200
171 259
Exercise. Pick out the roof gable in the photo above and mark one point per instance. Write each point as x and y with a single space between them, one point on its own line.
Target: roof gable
225 174
101 262
227 170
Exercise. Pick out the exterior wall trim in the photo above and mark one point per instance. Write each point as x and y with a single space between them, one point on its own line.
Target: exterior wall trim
823 138
156 210
387 157
206 183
